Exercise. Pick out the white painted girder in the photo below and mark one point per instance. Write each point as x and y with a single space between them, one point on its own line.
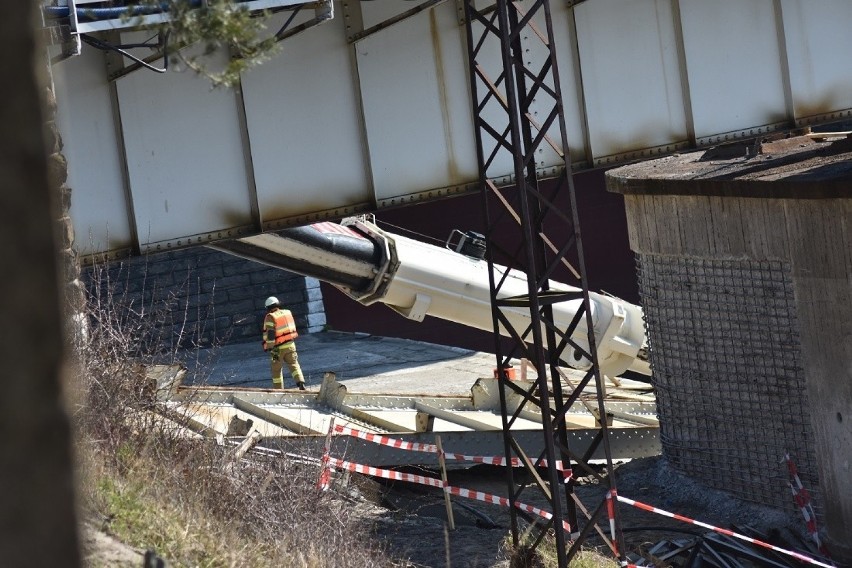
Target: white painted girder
329 127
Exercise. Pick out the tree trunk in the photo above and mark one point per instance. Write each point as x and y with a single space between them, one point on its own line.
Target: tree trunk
38 525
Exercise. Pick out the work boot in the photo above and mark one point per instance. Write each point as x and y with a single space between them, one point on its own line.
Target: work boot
301 386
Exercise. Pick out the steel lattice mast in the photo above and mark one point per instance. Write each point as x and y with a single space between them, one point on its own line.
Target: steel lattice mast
517 107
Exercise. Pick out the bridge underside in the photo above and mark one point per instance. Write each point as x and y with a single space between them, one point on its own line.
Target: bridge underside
370 109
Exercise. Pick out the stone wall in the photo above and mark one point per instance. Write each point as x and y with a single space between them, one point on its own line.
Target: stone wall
203 297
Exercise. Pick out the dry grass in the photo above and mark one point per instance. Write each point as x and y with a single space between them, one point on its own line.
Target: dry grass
544 556
174 498
157 490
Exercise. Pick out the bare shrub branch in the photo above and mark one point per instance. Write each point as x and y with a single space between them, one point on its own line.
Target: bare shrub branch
155 486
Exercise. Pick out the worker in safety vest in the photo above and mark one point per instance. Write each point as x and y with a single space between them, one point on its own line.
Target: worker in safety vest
279 333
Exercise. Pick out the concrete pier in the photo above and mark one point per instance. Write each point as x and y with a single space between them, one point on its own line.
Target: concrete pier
745 268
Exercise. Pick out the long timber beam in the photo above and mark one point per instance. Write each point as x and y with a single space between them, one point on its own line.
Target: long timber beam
284 416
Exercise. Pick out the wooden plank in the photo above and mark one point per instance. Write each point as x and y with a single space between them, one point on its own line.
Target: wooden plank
454 417
251 440
187 421
450 519
273 418
369 418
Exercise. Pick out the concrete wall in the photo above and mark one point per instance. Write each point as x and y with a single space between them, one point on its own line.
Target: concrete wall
204 297
761 291
731 390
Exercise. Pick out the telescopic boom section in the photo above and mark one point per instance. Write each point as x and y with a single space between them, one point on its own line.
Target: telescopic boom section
417 279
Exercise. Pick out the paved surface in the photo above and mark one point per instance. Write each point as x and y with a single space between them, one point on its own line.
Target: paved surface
364 363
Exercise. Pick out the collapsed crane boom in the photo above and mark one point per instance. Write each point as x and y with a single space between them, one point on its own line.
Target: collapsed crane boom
417 279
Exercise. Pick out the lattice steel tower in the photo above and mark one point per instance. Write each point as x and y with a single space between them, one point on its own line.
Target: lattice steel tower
518 115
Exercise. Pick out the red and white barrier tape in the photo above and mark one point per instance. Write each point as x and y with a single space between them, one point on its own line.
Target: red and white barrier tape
329 227
490 460
386 473
726 532
501 461
803 500
432 448
387 441
800 494
610 511
435 482
479 496
324 481
541 513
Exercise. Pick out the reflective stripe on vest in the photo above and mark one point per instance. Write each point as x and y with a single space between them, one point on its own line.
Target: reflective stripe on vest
284 325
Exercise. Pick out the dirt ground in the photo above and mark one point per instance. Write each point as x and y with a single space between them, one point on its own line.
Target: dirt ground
101 550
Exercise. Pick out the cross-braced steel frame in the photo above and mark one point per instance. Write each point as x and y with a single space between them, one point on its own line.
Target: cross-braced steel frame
533 227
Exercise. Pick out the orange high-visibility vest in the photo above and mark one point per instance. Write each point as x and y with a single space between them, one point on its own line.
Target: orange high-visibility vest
280 322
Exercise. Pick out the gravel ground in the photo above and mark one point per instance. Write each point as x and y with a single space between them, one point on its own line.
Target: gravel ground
413 523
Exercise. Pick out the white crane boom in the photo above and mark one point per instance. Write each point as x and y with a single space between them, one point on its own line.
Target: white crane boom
417 279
